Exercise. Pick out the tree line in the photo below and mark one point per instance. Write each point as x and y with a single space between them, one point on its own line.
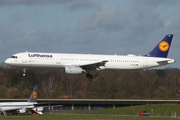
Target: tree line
55 83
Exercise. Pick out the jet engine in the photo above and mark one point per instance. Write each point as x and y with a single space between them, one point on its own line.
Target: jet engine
38 109
21 111
74 70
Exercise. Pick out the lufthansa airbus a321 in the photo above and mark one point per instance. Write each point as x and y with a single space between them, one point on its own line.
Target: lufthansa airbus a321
80 63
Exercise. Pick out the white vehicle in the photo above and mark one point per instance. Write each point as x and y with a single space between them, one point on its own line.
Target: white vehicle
79 63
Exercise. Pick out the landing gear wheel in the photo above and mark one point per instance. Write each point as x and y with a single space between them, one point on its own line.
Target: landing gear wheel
89 76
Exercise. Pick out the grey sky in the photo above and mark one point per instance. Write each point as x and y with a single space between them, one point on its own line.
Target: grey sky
93 26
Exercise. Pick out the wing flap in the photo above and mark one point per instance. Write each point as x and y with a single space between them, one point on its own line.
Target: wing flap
89 66
93 66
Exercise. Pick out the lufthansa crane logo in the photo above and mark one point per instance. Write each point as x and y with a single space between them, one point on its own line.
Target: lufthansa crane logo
164 46
34 95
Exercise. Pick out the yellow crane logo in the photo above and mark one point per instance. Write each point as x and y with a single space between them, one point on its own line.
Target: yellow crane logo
34 95
163 46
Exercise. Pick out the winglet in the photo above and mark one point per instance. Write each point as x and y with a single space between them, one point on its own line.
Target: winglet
162 48
33 96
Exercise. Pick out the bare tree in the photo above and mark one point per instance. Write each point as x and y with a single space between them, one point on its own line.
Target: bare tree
49 86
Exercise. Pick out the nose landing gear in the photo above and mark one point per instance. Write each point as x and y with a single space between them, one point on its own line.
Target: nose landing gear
24 72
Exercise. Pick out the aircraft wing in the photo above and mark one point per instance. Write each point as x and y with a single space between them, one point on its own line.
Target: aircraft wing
39 109
46 105
94 66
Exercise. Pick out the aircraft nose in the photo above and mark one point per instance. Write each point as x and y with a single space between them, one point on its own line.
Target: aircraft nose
8 61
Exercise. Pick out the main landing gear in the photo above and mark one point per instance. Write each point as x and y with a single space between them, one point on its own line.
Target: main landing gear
89 76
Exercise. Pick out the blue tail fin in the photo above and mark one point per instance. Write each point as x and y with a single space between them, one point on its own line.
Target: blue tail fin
33 96
162 49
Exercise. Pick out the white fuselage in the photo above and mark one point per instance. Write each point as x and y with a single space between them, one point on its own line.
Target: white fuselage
5 106
58 60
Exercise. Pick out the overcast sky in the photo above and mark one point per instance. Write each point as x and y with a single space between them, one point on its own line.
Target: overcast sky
88 26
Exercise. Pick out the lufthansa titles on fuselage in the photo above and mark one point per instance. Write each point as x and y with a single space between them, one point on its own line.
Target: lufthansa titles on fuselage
40 55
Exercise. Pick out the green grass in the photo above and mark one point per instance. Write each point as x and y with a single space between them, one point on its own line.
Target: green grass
82 117
154 109
160 112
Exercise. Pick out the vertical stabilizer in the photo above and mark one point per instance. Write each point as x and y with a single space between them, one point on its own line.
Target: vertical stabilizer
33 96
162 48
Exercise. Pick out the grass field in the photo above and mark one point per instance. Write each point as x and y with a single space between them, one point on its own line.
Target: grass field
158 112
82 117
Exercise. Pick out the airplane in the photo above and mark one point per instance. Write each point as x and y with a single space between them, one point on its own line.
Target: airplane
29 107
80 63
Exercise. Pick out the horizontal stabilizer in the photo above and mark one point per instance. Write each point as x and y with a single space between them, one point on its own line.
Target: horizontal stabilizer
164 62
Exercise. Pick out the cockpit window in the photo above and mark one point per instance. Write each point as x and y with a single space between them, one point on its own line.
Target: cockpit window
14 57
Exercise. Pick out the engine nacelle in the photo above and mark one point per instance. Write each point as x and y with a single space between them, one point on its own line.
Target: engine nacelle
38 109
21 111
74 70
